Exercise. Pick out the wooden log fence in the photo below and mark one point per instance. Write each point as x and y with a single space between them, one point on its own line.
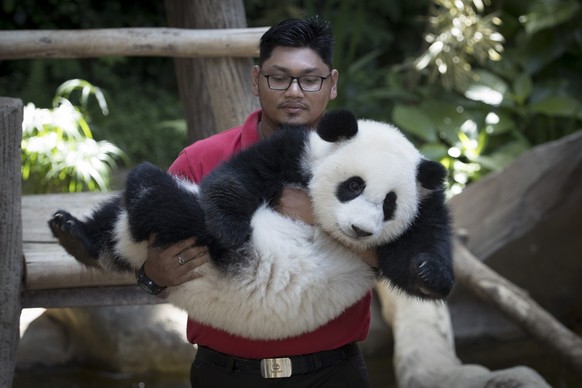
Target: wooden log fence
165 42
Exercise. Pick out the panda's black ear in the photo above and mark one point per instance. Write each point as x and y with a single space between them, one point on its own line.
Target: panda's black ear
430 174
336 125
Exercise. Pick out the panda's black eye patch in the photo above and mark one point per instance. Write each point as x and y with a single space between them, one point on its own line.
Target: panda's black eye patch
389 205
350 188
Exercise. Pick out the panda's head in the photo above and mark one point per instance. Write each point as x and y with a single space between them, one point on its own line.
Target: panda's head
365 184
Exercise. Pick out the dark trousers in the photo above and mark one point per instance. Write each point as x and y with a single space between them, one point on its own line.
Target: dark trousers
348 373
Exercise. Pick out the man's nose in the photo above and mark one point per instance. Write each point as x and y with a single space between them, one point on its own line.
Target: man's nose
294 88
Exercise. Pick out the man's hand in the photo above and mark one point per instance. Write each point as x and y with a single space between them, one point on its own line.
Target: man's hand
296 204
369 257
165 268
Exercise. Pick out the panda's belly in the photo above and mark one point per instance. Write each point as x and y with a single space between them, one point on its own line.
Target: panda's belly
297 279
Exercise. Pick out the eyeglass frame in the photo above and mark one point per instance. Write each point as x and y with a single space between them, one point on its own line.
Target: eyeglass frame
293 79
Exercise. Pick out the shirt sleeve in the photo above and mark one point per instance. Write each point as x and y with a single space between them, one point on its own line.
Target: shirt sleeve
183 167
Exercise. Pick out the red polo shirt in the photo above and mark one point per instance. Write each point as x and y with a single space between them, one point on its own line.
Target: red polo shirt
195 162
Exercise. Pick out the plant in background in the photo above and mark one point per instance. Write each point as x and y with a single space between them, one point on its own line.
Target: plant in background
476 105
59 153
479 123
458 35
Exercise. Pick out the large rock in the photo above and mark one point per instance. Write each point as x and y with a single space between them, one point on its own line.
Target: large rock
132 339
525 222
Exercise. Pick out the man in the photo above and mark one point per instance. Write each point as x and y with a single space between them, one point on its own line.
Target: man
294 81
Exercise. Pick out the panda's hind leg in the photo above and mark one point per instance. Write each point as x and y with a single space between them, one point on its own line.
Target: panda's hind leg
72 236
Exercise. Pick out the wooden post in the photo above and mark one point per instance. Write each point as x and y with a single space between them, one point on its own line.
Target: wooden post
194 93
224 83
10 235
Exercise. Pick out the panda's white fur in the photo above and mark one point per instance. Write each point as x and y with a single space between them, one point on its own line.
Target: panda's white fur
297 271
298 276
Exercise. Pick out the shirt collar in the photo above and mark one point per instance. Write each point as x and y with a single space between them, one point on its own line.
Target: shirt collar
250 129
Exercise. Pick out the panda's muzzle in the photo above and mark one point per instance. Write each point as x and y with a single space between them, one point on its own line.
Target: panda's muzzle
360 233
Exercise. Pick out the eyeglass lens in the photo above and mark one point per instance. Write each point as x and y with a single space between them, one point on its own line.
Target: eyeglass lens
307 83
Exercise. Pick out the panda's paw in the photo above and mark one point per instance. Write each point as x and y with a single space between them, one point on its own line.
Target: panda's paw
61 223
434 278
69 231
233 237
233 241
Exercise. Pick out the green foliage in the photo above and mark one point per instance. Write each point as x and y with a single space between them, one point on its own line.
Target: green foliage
59 153
474 83
458 34
145 121
145 117
487 87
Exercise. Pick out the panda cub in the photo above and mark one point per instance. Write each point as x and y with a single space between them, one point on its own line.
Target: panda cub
272 277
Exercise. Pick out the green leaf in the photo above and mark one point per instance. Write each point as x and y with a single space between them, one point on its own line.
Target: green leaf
487 88
414 121
522 87
446 117
547 14
503 124
434 151
562 106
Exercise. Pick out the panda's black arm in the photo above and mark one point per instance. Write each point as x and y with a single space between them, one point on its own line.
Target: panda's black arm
228 207
420 261
232 193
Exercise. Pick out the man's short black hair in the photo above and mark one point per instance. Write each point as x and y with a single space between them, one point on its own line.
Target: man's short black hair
312 32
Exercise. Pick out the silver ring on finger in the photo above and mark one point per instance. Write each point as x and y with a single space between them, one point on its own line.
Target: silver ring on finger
181 260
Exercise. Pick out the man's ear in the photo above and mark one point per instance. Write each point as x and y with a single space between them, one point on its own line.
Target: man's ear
333 91
255 74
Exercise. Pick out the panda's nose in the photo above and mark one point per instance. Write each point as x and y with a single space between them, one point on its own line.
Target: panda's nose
361 232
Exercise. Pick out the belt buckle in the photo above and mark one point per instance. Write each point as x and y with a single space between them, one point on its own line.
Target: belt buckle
275 368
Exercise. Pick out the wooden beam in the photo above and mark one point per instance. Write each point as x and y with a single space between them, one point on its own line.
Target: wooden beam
10 235
47 265
154 42
88 296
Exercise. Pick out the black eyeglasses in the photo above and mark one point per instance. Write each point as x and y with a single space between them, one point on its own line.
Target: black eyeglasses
307 83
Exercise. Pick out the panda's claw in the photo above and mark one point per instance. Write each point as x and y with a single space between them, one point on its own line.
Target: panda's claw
434 278
61 223
69 231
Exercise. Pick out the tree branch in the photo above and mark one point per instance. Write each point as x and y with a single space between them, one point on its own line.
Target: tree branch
424 355
517 305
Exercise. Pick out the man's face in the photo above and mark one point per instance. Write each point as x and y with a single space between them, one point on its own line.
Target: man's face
293 105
